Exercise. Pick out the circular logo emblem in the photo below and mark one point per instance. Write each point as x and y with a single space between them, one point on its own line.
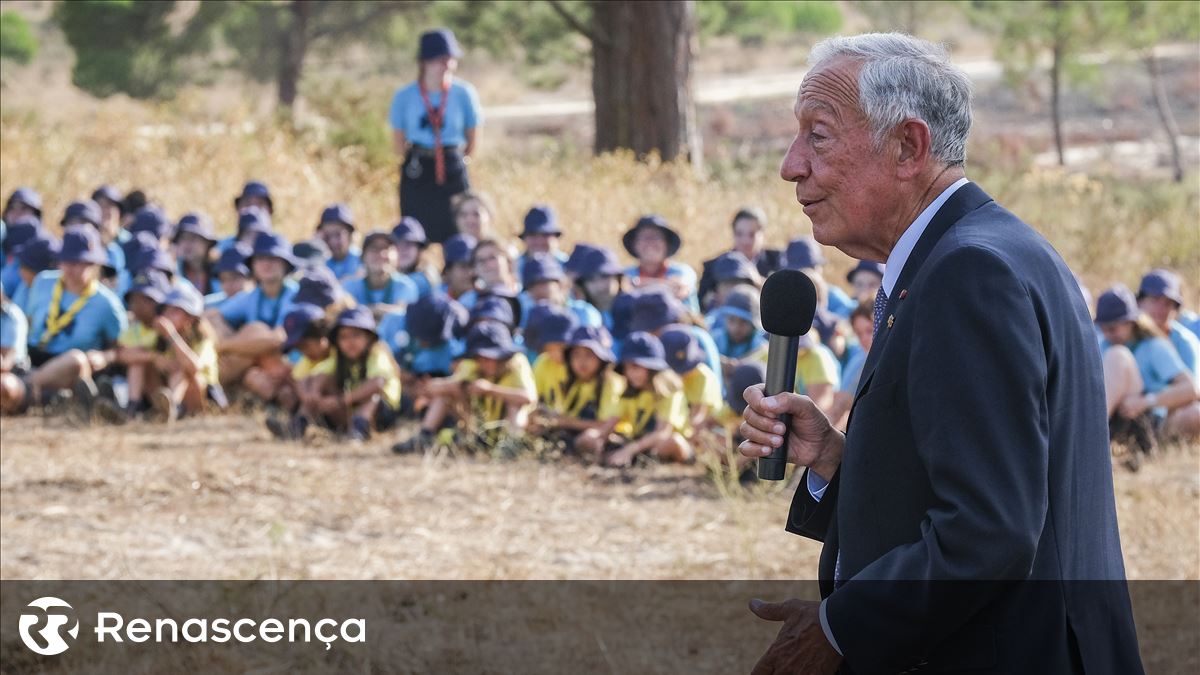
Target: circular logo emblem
42 628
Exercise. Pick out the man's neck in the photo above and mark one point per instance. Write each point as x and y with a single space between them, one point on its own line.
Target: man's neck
944 179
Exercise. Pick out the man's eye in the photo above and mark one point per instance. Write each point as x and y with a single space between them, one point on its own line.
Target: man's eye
815 137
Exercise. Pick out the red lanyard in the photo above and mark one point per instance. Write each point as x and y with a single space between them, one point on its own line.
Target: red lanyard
436 119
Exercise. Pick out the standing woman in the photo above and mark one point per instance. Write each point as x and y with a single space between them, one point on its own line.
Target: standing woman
435 123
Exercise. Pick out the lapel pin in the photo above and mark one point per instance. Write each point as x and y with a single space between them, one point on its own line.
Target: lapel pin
891 320
903 293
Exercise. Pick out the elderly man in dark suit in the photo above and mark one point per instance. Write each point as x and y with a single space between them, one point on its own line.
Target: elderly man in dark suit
967 514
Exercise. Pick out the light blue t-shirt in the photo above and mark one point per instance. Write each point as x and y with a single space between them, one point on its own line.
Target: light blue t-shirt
400 290
424 285
1157 363
253 305
116 255
853 371
20 297
1187 345
98 324
1190 321
10 276
839 302
14 333
675 270
585 313
732 350
408 114
346 268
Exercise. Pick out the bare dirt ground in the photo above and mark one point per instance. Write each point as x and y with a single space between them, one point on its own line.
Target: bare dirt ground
215 498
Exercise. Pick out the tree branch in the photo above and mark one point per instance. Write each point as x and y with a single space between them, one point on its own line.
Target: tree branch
594 36
380 11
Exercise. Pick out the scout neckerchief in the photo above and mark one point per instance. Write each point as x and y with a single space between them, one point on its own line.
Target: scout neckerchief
436 118
55 320
642 417
575 405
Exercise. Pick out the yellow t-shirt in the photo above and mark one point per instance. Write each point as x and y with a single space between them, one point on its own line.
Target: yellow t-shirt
379 364
305 366
206 351
582 401
518 374
701 386
549 375
641 411
139 334
815 365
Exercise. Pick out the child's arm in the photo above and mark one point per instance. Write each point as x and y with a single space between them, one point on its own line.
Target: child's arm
186 358
624 456
510 395
557 421
364 391
699 416
254 344
8 359
443 386
131 356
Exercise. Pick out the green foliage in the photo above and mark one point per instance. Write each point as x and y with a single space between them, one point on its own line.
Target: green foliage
754 20
17 41
1145 23
1028 31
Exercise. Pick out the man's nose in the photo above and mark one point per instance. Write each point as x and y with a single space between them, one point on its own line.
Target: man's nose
795 166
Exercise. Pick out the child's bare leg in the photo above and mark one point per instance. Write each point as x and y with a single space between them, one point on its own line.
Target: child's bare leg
435 413
135 379
675 449
62 371
516 417
190 391
12 393
258 382
1121 377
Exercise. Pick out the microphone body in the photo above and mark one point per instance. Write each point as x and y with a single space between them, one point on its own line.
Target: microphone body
781 377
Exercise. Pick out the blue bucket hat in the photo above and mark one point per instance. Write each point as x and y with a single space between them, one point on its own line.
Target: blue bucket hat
272 245
87 210
491 341
654 308
1161 282
151 219
458 249
337 213
594 338
747 374
682 349
435 318
578 254
311 253
657 222
600 261
377 235
541 267
152 258
645 350
233 259
255 189
437 43
548 324
38 254
197 224
317 286
1117 304
82 244
493 307
27 196
866 266
733 266
803 254
541 219
253 220
186 298
743 303
151 283
356 317
132 202
106 192
297 321
20 232
622 314
133 247
410 229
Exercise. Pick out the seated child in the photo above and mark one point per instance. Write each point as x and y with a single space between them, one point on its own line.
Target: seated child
590 395
741 335
411 242
336 229
457 271
546 335
308 334
701 386
384 289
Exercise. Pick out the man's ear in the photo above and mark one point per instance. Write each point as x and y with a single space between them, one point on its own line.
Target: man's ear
914 142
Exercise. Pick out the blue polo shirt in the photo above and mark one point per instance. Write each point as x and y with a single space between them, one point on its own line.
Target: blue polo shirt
839 302
10 276
346 268
737 350
1156 361
675 270
1187 345
400 290
424 285
20 297
585 313
408 114
14 333
253 305
98 324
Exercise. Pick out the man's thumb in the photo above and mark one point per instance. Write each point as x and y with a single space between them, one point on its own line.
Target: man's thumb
770 611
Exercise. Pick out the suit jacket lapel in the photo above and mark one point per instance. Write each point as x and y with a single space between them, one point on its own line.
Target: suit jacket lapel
964 200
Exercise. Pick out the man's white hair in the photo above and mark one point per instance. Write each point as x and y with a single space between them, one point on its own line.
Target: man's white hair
902 78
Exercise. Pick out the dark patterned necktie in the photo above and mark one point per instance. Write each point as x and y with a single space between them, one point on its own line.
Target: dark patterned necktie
880 305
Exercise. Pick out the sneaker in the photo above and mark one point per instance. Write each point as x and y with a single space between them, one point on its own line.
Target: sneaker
83 399
360 429
110 411
288 429
163 408
415 443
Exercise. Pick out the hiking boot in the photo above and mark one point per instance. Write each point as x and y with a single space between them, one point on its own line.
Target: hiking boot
111 412
418 442
83 399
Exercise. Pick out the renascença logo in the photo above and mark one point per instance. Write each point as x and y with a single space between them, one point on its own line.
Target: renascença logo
52 641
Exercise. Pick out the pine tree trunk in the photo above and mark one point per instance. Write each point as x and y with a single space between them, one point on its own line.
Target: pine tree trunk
642 78
1163 105
294 45
1056 80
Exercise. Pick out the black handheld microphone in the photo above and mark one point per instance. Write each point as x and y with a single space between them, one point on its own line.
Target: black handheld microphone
788 303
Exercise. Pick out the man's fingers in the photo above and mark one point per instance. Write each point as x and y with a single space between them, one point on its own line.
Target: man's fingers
754 450
753 394
770 611
759 437
770 425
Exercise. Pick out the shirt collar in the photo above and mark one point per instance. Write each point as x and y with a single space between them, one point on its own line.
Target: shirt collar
908 240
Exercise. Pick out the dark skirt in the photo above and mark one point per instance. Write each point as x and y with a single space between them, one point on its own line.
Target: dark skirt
422 198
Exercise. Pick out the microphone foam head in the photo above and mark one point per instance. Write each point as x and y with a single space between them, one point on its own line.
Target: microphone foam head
788 303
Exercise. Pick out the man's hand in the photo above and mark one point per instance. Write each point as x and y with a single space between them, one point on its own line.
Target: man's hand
801 646
812 440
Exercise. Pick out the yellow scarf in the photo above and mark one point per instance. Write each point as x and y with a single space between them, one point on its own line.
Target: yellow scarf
56 322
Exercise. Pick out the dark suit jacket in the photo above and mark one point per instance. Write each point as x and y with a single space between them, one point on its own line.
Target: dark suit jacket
975 494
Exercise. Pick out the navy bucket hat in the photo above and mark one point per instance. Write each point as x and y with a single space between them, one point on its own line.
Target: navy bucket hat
541 267
1161 283
578 254
311 253
871 266
377 235
253 220
600 261
744 304
152 258
20 232
317 286
269 244
497 308
255 189
152 284
81 244
803 254
656 222
654 308
541 219
233 259
491 341
435 318
196 224
594 338
86 211
733 266
38 254
186 298
1117 304
296 323
410 229
458 249
337 213
106 192
437 43
27 196
645 350
151 219
682 349
746 375
356 317
548 325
